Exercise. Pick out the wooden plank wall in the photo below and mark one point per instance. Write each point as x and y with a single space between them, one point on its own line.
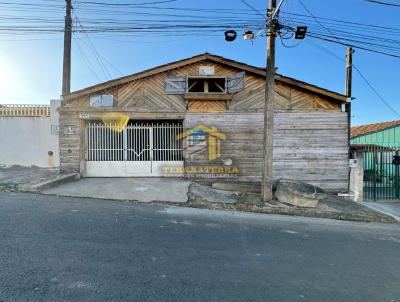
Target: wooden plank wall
243 142
310 147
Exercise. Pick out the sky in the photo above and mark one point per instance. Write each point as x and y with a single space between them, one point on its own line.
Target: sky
31 65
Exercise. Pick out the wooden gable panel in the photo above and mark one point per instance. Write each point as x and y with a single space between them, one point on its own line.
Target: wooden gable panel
301 100
321 103
251 98
206 106
201 59
287 98
283 97
149 95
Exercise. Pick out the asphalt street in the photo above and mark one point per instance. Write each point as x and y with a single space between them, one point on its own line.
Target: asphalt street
72 249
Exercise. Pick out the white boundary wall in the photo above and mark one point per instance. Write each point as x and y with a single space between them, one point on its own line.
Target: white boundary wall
27 140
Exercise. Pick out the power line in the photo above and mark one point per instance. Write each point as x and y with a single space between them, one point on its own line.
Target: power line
86 60
156 22
97 56
375 91
354 45
252 8
383 3
387 104
363 77
127 4
361 42
336 21
315 18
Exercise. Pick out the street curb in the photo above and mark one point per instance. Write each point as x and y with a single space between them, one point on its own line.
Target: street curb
53 182
298 212
253 209
196 200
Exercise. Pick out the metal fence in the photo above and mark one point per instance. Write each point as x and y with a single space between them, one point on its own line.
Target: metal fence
381 172
136 142
24 110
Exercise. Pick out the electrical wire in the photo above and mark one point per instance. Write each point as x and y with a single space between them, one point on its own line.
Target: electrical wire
383 3
85 59
100 59
363 77
251 7
316 19
152 20
127 4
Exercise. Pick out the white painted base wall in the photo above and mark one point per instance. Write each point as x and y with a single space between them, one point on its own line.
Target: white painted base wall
26 141
128 168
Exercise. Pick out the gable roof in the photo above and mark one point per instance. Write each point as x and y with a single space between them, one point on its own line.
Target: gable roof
202 57
370 128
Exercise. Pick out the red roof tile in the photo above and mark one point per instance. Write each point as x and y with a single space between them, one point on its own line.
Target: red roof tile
365 129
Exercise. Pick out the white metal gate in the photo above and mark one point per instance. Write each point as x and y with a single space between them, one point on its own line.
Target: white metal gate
139 149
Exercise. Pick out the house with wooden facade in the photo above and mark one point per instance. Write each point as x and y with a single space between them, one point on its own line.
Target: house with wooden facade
204 116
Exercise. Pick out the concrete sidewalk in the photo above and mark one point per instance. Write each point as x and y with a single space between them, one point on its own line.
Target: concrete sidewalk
391 208
132 189
18 178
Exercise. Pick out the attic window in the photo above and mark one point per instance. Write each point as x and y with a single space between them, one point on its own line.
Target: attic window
101 100
206 85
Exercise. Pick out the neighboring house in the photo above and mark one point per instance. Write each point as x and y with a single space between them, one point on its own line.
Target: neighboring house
29 135
385 134
380 145
208 93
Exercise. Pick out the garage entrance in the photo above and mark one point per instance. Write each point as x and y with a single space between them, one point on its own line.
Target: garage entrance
141 149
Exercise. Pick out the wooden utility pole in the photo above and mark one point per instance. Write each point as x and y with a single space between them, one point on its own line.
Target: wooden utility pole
266 185
349 72
348 92
349 79
66 81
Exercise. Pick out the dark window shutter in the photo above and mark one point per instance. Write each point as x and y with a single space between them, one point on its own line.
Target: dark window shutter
175 85
236 82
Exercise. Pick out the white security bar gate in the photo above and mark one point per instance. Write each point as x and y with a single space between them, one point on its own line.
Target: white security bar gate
139 149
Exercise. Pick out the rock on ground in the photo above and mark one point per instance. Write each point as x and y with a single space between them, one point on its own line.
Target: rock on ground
206 194
298 194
